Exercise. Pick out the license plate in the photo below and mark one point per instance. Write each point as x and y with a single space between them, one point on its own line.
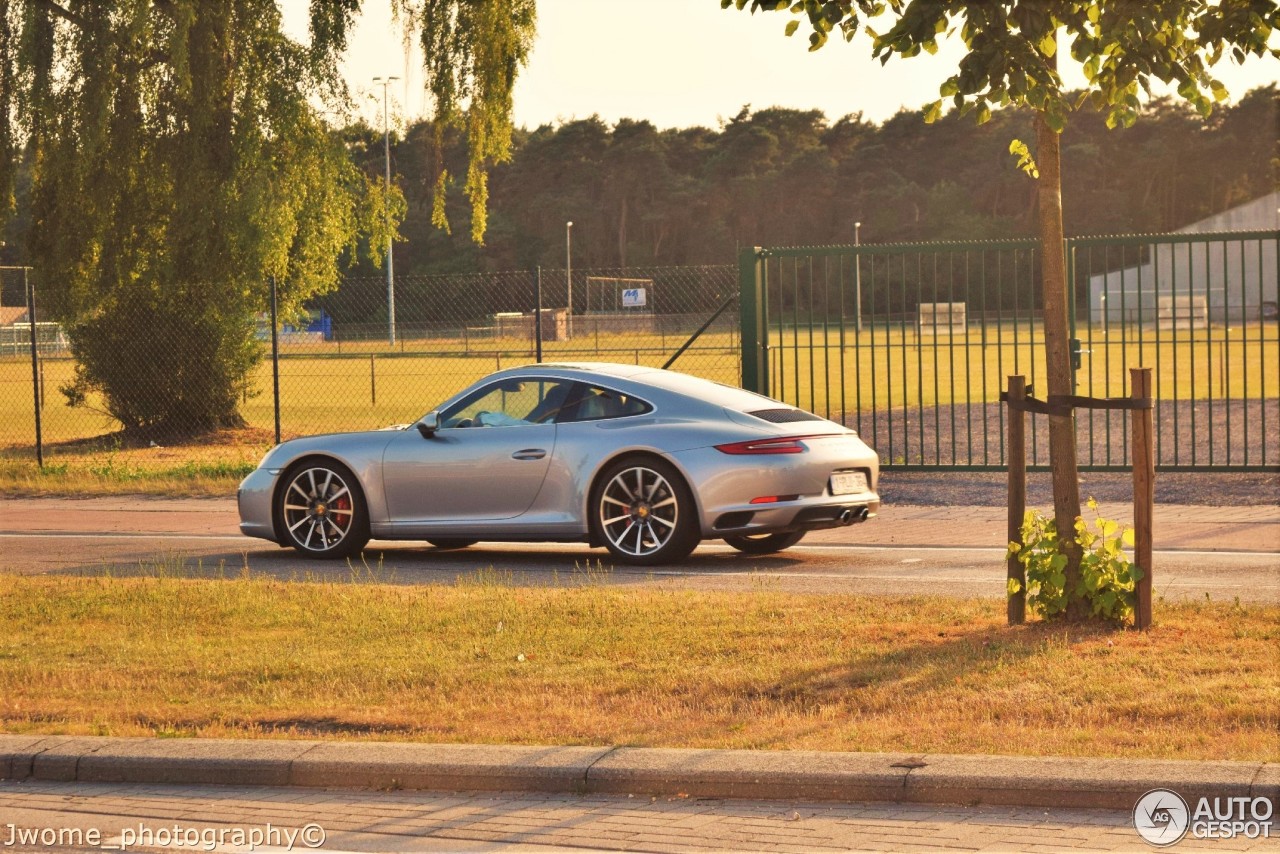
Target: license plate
847 482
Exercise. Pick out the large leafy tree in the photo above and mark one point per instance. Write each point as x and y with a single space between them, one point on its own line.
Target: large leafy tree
1011 59
179 157
473 50
177 161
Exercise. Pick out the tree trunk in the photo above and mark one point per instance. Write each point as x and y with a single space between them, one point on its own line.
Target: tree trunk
1056 291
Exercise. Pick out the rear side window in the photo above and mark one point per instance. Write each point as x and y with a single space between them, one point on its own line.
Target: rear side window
594 403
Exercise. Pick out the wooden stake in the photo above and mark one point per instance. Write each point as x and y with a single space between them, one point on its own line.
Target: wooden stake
1144 493
1017 453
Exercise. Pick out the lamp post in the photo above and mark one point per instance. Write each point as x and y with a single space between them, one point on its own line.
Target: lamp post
391 275
857 276
568 274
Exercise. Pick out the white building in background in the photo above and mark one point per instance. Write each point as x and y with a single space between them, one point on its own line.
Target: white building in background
1184 284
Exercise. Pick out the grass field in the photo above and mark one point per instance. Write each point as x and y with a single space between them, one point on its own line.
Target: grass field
487 662
345 386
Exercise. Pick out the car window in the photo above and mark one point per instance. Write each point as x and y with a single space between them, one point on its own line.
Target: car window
510 403
595 404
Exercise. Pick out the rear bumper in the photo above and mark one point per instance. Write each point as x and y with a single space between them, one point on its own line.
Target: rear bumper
733 491
811 517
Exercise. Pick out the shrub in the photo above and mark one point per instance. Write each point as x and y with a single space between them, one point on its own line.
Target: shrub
1107 576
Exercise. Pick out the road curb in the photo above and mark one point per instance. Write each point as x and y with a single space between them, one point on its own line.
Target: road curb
656 772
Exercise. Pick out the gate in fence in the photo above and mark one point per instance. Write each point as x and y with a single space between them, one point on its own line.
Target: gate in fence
910 344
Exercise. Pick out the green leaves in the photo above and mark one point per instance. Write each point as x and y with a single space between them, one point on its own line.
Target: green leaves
1026 162
473 51
1012 46
1107 578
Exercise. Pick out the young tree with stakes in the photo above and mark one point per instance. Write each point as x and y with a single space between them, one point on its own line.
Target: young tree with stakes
1011 60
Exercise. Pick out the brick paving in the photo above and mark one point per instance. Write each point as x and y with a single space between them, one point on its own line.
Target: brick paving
361 820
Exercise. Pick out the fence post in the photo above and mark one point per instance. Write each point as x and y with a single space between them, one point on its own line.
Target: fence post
35 364
1144 492
537 314
275 359
755 331
1017 450
373 383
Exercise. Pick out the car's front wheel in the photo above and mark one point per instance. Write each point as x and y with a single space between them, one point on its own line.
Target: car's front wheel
764 544
644 513
322 510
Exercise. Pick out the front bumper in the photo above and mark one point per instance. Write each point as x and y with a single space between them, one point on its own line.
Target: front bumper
254 501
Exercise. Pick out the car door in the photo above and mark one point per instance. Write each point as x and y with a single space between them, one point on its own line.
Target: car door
486 462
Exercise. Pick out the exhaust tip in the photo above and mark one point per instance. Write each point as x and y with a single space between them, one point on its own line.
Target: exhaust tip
850 515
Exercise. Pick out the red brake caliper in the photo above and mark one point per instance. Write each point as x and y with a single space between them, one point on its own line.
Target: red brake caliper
342 507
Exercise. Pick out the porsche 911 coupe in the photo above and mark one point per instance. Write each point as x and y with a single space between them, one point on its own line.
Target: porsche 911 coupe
644 462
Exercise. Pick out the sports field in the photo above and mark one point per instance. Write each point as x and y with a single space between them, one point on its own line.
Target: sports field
330 386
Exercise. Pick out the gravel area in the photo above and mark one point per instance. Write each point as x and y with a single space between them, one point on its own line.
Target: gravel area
1202 433
1199 433
991 489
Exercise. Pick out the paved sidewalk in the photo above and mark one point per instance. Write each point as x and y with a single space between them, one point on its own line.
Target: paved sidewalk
382 821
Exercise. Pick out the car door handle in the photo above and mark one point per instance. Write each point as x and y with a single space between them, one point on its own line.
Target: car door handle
529 454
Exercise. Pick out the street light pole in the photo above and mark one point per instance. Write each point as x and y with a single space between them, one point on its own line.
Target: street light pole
857 275
568 274
391 275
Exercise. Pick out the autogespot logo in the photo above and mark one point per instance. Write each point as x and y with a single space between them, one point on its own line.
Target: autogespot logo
1161 817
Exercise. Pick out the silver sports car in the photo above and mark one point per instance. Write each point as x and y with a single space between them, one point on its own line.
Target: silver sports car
642 461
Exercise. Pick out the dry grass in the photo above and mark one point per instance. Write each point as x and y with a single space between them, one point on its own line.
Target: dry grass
108 465
485 661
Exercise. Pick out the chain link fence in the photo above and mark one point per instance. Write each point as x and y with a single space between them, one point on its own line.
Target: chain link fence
343 364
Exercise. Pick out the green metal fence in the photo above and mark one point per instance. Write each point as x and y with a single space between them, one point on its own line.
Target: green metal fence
911 344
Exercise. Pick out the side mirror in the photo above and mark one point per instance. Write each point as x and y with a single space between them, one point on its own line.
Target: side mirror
429 424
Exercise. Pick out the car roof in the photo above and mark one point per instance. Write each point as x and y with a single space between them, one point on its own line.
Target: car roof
704 390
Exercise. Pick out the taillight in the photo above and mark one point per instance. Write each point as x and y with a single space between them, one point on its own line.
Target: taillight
784 445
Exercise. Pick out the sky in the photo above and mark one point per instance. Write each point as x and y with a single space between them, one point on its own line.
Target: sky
676 63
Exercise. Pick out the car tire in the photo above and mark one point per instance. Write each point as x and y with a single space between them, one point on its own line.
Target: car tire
321 510
449 543
764 544
643 512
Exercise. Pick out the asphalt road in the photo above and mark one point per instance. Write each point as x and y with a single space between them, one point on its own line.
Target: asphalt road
937 551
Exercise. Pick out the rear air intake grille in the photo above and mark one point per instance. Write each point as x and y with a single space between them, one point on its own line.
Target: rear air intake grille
784 416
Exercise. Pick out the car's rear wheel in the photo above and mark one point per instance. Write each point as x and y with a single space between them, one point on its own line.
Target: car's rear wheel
322 510
764 544
447 543
644 513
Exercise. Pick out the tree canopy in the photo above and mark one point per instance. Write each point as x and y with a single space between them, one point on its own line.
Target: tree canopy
473 50
176 159
778 176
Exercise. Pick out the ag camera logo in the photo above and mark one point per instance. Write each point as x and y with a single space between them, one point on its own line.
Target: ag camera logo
1161 817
